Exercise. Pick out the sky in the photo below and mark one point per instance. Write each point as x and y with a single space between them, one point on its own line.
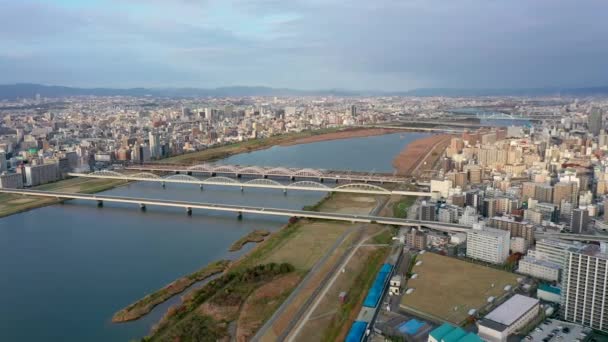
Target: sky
305 44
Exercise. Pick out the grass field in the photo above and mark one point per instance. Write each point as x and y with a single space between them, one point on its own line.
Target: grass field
401 207
444 284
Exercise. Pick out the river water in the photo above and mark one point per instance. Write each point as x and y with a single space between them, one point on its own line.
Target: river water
65 269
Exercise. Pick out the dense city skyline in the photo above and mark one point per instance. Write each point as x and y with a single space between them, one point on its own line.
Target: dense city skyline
305 44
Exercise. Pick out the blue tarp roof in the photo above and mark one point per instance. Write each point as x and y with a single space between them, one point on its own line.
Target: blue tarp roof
411 327
356 332
375 292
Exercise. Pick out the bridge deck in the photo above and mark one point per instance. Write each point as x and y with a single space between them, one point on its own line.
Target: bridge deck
242 209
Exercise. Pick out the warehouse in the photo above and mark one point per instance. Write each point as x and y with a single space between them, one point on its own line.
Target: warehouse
508 318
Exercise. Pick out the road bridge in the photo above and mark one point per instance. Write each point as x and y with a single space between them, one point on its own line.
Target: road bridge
263 183
268 172
240 210
572 237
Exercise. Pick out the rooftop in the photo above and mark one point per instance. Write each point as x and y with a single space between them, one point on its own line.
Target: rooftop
511 310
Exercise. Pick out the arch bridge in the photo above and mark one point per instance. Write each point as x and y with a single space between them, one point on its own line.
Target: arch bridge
264 183
267 172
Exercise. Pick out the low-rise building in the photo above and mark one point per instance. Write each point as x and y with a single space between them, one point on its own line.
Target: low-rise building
540 269
449 333
508 318
415 239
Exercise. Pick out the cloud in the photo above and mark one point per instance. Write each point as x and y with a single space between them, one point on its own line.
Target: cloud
360 44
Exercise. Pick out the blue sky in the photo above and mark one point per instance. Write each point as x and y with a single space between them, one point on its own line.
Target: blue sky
305 44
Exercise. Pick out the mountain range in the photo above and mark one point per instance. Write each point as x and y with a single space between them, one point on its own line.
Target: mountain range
29 90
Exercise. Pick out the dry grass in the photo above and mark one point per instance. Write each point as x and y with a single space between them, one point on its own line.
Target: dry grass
345 203
307 245
445 283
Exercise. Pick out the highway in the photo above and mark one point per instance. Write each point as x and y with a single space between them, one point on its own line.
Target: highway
357 188
240 210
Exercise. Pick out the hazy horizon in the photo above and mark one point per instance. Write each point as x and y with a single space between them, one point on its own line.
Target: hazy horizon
387 45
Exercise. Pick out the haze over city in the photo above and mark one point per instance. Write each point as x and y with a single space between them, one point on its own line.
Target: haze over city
304 170
358 45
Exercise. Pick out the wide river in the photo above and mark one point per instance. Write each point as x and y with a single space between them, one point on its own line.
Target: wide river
65 269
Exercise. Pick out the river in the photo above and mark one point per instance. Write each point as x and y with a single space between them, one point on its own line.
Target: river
65 269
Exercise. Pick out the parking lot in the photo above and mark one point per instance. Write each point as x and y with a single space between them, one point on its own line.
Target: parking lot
552 330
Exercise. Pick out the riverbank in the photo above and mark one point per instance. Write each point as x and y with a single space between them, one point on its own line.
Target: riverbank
14 204
255 236
343 134
420 152
146 304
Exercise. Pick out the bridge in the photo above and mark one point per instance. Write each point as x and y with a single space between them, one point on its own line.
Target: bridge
240 210
264 183
266 172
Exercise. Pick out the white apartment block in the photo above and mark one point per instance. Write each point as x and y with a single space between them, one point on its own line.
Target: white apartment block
11 181
488 244
41 174
540 269
585 287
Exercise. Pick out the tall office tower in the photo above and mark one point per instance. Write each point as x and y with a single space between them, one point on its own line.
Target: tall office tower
543 193
3 166
564 191
594 121
155 151
580 218
585 287
527 190
427 212
353 111
489 207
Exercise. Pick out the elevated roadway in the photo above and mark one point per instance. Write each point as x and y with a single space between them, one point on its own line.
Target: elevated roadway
240 210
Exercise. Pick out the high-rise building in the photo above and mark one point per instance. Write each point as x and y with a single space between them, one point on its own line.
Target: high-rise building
488 244
564 191
528 190
518 229
41 174
543 193
585 287
426 212
580 219
155 148
415 239
594 121
3 166
489 207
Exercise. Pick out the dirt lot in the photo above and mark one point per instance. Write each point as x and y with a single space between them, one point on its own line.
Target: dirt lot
417 153
348 134
447 288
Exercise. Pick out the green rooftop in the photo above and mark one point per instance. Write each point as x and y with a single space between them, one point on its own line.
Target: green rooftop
442 331
454 335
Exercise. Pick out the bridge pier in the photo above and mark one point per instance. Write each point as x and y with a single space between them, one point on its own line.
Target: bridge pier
201 187
242 188
321 180
142 207
264 176
189 211
238 175
284 191
100 203
292 178
163 184
240 215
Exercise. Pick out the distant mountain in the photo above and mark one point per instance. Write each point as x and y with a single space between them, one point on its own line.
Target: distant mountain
591 91
27 90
